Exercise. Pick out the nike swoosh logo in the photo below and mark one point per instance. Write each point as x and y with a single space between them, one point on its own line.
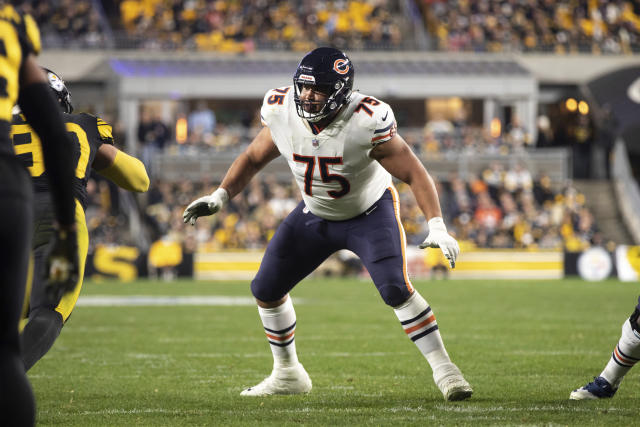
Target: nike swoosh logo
385 116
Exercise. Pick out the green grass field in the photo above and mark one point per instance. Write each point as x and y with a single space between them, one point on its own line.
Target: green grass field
523 346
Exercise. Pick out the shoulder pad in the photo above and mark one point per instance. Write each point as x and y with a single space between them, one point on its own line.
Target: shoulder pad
105 130
273 101
33 34
377 115
386 126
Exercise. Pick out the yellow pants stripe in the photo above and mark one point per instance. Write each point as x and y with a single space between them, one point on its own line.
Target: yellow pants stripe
27 295
68 302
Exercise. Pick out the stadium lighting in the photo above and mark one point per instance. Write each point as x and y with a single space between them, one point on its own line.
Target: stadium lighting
495 128
571 104
583 108
181 130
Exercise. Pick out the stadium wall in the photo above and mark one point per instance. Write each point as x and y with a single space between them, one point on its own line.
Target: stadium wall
595 264
127 263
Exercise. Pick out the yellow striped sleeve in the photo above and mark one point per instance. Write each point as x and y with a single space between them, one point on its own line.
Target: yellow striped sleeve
33 33
104 129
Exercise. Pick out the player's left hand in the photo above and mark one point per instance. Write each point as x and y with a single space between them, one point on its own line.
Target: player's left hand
439 238
62 265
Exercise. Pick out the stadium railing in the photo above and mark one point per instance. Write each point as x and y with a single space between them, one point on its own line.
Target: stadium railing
555 162
627 190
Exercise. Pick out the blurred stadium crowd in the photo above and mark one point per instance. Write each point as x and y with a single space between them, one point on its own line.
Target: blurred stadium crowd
559 26
499 209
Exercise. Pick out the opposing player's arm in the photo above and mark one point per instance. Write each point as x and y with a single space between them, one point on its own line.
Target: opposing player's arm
398 159
258 154
124 170
42 112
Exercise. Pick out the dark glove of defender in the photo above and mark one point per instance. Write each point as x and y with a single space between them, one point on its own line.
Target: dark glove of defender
61 265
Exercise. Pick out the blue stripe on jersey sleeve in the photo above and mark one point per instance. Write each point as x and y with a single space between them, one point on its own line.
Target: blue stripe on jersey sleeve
383 130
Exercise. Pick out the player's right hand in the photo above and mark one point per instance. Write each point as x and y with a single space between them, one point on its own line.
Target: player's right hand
204 206
62 265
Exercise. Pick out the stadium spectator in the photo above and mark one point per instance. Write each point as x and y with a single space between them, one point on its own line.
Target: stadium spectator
487 214
545 133
164 257
153 135
518 178
202 121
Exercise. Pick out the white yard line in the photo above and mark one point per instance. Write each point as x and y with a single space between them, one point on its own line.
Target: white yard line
160 300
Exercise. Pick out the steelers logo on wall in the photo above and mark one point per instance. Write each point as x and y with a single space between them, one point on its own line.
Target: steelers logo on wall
595 264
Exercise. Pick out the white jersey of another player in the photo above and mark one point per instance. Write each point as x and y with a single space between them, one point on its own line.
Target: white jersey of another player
336 176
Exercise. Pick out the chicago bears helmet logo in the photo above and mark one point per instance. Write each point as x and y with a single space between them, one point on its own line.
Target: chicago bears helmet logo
341 66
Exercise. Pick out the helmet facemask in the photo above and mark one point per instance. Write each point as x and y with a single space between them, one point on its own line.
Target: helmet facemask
336 96
328 71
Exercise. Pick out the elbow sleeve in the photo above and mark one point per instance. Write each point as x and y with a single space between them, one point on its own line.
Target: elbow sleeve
127 172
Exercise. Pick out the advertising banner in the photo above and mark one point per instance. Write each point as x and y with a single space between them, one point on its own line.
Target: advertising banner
628 263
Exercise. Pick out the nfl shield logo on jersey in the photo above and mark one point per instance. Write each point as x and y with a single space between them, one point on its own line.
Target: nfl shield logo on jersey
315 142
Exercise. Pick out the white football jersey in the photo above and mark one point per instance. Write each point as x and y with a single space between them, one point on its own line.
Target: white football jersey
336 176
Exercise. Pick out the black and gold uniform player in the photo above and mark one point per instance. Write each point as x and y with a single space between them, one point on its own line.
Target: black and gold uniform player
92 147
22 81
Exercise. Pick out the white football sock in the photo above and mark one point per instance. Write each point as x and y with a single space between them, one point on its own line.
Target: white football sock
624 356
280 326
420 324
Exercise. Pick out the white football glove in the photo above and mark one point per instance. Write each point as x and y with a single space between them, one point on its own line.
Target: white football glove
439 238
204 206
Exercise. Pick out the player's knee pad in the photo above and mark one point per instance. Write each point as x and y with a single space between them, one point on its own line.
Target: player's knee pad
263 292
47 319
394 295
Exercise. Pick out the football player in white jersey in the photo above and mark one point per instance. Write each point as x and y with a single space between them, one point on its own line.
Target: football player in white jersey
343 150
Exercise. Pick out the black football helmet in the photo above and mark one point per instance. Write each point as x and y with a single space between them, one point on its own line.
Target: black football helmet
60 90
332 72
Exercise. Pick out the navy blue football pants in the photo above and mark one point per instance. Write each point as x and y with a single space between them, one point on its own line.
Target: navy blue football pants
303 241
